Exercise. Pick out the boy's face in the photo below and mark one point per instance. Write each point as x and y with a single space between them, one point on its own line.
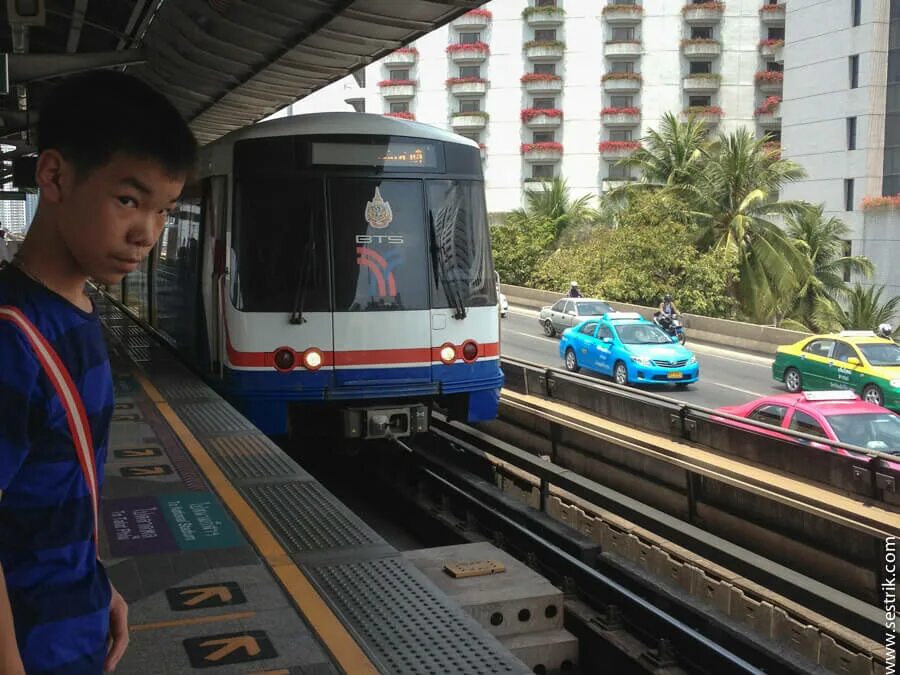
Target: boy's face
112 217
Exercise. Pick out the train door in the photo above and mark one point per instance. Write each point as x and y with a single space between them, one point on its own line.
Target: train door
381 319
214 270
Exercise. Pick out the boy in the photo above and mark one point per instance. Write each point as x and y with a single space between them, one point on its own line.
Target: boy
113 157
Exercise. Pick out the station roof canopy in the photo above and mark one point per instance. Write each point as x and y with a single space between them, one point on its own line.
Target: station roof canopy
224 63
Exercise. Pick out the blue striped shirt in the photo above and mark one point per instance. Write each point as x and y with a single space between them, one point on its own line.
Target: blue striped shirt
57 588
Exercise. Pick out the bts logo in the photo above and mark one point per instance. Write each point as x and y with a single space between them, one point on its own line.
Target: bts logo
379 239
382 278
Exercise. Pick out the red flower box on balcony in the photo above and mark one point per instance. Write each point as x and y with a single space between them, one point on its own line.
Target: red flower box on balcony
469 47
486 13
769 76
406 50
773 148
621 111
464 80
718 6
772 8
887 202
634 9
401 115
540 77
771 42
531 113
704 110
768 105
537 147
606 146
396 83
622 76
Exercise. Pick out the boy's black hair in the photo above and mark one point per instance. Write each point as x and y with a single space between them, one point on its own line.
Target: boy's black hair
92 116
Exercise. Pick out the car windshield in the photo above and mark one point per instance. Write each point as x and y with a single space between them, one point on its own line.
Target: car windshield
593 308
875 431
881 353
642 334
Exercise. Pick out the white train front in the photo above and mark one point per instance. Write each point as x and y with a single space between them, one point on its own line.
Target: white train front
332 272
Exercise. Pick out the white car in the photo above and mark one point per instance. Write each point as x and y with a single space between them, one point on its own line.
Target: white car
566 312
504 305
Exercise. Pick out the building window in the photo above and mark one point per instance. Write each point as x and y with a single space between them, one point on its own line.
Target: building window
854 71
699 101
620 134
619 172
857 12
701 67
360 76
619 34
848 251
470 105
851 133
621 101
545 68
701 33
400 107
399 74
544 103
543 137
848 194
545 3
542 171
622 67
469 38
470 71
775 67
775 136
623 2
776 33
545 34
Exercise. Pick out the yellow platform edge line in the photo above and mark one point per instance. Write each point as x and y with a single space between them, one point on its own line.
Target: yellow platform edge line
331 631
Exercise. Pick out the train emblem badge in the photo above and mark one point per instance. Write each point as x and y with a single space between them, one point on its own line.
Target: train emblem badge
378 211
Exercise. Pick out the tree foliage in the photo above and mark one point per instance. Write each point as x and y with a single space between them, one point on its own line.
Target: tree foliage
864 310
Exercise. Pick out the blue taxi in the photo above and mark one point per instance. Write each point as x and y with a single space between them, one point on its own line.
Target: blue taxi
629 348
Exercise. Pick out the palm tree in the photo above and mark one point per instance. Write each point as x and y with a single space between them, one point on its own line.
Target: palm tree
822 239
864 311
738 193
554 205
672 155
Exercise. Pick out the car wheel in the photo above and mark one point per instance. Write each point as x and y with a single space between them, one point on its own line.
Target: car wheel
549 330
571 362
872 394
620 373
793 381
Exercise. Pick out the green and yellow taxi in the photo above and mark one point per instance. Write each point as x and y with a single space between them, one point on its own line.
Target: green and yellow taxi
856 360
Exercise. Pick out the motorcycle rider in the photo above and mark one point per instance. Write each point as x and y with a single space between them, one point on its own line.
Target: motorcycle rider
667 307
574 291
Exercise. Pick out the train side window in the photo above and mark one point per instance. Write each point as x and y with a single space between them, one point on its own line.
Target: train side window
769 414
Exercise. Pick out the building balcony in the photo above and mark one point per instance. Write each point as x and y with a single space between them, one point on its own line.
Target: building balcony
708 114
542 152
621 117
768 49
544 17
539 118
467 86
538 83
544 51
768 114
772 15
474 19
622 82
405 56
470 53
616 150
537 184
614 183
623 15
469 120
702 82
701 49
623 49
770 81
703 14
397 89
779 54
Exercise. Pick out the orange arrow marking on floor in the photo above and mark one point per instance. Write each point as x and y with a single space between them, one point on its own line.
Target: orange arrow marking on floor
148 471
230 645
146 452
203 594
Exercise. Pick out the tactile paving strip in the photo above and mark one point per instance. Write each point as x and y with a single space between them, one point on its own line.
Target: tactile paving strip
213 417
307 518
407 623
250 456
183 389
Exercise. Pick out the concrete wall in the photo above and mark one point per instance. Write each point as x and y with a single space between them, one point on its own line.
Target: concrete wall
735 334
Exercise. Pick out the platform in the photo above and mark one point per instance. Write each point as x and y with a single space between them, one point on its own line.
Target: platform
233 559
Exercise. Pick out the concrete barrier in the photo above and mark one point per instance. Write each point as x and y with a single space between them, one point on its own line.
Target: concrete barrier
734 334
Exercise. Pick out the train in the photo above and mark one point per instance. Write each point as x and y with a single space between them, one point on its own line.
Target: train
332 273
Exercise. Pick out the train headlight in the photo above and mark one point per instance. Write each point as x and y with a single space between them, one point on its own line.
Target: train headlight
470 351
285 359
313 359
448 353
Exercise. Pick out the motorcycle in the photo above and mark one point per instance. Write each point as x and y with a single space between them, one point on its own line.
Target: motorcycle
671 325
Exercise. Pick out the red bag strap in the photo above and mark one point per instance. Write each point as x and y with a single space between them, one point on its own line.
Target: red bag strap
68 394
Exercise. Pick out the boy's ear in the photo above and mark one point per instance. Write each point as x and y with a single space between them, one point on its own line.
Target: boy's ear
50 174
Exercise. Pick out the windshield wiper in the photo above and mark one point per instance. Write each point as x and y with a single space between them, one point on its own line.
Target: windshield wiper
440 268
296 316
